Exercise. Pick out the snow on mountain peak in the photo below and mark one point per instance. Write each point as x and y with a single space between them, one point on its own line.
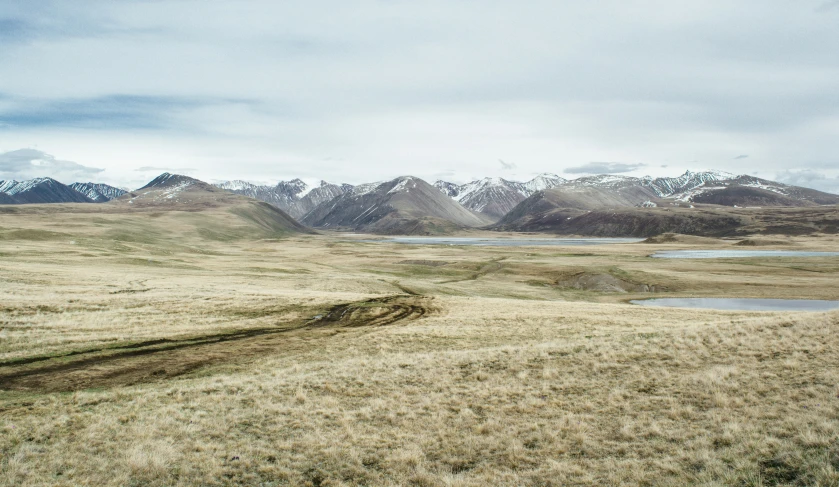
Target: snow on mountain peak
363 189
543 181
236 185
13 187
405 183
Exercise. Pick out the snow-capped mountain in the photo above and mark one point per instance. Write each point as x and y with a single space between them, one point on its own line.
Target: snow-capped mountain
449 189
609 205
98 192
665 187
40 190
278 195
495 197
167 180
294 197
542 182
403 205
747 190
605 181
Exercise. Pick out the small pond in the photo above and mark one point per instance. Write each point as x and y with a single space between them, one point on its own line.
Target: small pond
735 254
741 304
505 242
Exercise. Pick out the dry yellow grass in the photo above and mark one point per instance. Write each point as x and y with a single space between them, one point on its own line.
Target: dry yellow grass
508 380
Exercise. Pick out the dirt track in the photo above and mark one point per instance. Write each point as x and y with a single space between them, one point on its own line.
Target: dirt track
165 358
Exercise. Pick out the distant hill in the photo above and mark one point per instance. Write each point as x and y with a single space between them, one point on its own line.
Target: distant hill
294 197
405 205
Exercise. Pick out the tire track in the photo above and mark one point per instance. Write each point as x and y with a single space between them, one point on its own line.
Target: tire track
166 358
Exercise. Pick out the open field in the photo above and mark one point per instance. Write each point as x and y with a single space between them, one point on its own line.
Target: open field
138 349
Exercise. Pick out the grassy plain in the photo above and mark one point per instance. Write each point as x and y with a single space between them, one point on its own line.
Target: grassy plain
137 350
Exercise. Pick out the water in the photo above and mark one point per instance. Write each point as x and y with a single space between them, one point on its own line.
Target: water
734 254
506 242
741 304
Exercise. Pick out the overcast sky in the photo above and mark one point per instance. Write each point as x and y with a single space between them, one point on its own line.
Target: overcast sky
118 91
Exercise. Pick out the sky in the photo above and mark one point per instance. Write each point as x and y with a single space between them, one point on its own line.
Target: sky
120 91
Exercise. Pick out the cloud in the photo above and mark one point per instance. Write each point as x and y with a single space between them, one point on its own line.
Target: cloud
178 170
604 168
110 112
401 87
507 166
24 164
809 178
828 6
742 156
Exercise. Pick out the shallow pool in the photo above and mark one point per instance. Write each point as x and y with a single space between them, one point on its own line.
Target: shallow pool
735 254
506 242
741 304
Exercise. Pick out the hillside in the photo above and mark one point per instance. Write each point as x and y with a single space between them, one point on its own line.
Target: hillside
700 220
405 205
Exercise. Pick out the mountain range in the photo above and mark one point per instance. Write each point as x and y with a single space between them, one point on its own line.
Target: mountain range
495 197
405 205
48 190
694 203
295 197
593 205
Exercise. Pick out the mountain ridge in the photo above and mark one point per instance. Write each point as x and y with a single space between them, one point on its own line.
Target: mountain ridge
626 206
404 204
294 197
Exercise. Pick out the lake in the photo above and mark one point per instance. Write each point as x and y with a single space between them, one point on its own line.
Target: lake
741 304
738 254
506 242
